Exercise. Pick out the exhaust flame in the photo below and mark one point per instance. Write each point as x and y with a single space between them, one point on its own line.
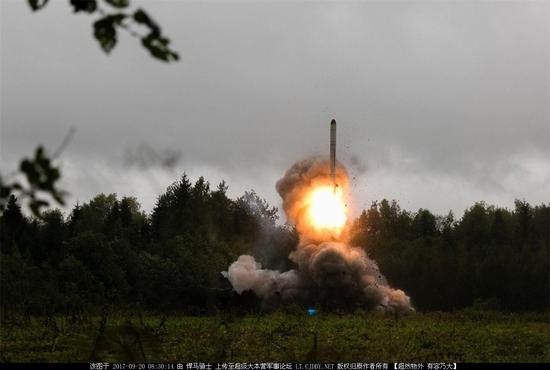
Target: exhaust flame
312 202
327 209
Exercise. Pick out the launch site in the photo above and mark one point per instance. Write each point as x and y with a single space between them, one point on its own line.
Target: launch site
309 185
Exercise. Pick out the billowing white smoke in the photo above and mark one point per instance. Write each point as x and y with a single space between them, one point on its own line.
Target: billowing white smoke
247 274
331 272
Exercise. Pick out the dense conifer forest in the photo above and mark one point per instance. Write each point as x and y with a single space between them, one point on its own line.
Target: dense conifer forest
108 252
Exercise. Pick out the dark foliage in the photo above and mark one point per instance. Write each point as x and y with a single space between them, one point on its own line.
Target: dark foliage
106 27
492 258
107 252
41 180
105 31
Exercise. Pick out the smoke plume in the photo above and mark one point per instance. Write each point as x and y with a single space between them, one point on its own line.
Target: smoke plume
328 269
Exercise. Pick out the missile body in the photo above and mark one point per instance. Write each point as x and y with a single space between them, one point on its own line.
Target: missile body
333 151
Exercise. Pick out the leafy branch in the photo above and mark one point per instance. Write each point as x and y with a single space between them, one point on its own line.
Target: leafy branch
40 174
106 28
41 177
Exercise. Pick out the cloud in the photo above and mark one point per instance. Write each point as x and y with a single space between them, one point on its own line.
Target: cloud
442 103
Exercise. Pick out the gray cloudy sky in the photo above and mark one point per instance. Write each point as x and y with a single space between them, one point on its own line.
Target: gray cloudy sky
439 104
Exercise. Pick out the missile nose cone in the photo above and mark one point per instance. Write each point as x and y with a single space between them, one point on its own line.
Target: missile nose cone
333 122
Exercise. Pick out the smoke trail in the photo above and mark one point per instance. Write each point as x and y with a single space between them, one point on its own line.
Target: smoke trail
328 269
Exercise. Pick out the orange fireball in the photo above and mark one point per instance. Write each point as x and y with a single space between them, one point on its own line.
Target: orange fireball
327 209
313 202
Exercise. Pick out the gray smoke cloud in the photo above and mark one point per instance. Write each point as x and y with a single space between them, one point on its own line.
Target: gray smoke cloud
329 271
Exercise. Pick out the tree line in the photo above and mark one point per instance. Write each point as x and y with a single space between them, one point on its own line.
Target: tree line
108 252
491 258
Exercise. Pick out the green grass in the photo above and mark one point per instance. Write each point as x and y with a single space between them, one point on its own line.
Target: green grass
464 336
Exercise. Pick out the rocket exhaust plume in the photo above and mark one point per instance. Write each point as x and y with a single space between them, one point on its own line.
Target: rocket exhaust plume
328 270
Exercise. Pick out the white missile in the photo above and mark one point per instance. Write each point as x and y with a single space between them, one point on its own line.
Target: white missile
333 151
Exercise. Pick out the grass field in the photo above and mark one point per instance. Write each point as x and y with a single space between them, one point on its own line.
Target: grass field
470 336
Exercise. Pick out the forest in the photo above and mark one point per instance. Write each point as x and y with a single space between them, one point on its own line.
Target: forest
108 253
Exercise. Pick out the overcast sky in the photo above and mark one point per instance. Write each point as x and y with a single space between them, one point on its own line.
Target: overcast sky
438 104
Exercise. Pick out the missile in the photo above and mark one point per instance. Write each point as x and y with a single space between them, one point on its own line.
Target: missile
333 152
